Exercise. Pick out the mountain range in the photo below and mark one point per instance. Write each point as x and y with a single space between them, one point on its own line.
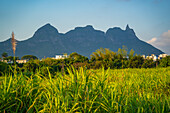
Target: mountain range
47 42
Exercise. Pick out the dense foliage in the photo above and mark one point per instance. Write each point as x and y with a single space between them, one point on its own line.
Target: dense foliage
28 57
82 90
100 58
3 68
4 55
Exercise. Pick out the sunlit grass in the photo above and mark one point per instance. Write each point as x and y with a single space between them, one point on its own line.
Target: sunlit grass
127 90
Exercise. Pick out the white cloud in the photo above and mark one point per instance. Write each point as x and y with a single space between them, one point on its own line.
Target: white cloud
152 40
166 34
162 42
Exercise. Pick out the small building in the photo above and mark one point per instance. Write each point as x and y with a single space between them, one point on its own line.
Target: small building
10 61
7 61
162 56
61 56
4 61
21 61
153 57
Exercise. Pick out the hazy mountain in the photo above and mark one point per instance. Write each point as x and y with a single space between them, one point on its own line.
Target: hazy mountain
48 42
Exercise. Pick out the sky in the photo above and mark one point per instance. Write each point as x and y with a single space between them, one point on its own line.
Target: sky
150 19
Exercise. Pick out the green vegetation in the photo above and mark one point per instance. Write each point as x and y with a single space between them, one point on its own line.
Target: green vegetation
4 55
3 68
29 57
104 83
11 58
82 90
165 62
100 58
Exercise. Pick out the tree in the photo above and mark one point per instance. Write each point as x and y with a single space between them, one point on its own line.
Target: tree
124 51
30 66
77 57
4 68
29 57
136 62
11 58
119 52
4 55
165 62
74 55
148 63
103 55
131 53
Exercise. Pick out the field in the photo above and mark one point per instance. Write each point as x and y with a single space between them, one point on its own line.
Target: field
122 90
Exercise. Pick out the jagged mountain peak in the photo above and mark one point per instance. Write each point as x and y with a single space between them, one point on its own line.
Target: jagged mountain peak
119 35
129 30
127 27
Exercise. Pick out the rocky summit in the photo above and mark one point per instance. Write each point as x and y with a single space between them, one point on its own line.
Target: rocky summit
47 42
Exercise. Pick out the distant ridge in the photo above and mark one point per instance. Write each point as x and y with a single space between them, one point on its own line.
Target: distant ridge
47 41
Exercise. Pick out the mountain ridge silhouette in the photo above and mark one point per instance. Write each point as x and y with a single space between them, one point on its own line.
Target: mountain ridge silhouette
48 42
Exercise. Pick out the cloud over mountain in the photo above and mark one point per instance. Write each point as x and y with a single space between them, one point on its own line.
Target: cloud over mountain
162 42
152 40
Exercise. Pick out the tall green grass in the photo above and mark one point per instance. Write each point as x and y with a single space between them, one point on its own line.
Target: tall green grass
82 90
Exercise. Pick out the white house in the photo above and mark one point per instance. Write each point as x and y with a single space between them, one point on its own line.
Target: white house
61 56
6 61
153 57
162 56
21 61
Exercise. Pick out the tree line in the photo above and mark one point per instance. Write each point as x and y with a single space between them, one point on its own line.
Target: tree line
102 57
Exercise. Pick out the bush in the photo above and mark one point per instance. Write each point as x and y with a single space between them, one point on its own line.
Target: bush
30 66
165 62
3 68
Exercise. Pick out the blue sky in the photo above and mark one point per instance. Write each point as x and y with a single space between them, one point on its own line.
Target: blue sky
150 19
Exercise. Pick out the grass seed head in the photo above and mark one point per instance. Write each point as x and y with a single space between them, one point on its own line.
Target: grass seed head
14 43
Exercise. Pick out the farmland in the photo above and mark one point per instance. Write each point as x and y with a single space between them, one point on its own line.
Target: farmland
87 90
